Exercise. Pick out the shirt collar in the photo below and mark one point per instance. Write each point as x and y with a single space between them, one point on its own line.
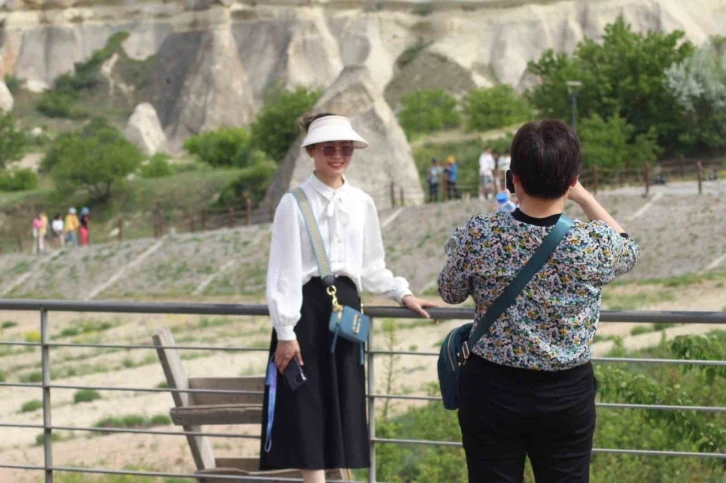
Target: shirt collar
326 191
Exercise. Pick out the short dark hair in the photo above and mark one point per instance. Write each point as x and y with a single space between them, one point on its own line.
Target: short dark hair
546 158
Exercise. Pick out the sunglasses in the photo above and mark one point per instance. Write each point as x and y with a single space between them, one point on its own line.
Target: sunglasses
345 151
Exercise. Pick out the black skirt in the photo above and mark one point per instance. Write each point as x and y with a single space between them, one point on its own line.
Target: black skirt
322 425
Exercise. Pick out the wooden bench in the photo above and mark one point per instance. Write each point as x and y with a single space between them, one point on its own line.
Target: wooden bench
192 411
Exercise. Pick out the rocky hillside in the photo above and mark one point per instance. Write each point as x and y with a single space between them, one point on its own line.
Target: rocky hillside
233 262
212 61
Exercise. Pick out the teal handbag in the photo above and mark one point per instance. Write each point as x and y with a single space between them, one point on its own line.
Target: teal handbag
345 322
455 349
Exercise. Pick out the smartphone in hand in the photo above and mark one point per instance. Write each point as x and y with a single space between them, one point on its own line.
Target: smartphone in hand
510 181
294 375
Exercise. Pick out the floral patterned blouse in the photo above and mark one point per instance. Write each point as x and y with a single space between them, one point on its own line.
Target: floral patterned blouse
550 326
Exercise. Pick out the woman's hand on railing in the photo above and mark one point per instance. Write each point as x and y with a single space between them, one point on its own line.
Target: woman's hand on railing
418 305
286 350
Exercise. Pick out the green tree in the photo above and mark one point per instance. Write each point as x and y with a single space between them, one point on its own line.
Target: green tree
428 111
699 86
275 129
252 181
157 166
496 107
612 143
229 146
18 180
13 141
624 74
96 158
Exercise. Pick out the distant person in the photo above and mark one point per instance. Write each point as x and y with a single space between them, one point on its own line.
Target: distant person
714 175
84 229
486 174
44 229
38 246
57 227
451 172
528 387
433 178
658 174
70 227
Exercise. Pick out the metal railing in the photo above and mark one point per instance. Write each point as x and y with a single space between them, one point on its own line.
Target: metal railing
46 344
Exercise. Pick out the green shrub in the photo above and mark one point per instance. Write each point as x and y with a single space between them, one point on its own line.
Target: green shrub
13 140
33 377
428 111
158 166
59 105
253 180
163 385
8 324
54 437
275 129
18 180
31 406
86 395
160 420
641 329
228 146
32 336
13 83
496 107
2 376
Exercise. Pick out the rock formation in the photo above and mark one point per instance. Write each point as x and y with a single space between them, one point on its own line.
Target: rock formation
144 129
388 158
6 98
200 85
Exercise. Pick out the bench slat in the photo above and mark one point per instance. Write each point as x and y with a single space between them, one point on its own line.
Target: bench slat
218 414
256 383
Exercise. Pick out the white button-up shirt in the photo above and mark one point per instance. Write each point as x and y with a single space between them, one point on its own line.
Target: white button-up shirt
348 222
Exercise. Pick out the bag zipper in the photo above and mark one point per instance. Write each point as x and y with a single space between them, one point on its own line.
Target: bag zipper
448 350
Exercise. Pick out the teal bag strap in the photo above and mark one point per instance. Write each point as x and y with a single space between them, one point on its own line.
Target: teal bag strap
326 272
532 266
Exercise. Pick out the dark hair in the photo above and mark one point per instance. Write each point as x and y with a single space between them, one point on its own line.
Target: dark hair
307 119
546 158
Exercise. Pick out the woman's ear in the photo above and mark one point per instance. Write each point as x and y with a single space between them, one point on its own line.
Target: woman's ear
574 181
310 149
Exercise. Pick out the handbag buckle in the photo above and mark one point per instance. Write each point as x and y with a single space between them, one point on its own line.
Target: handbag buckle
332 291
356 323
465 352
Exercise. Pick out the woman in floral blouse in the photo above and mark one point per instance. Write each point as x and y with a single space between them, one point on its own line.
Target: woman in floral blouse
531 390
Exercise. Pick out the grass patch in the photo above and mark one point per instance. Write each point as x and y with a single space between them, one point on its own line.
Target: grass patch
642 329
133 421
55 437
33 377
86 395
30 406
633 301
163 385
2 376
8 324
32 336
84 327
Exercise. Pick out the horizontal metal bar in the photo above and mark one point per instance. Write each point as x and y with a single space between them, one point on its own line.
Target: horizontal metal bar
594 359
644 452
21 384
71 469
663 407
147 346
19 343
27 426
681 317
22 467
153 389
659 407
146 431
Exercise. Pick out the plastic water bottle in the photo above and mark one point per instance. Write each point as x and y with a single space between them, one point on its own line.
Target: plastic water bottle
505 204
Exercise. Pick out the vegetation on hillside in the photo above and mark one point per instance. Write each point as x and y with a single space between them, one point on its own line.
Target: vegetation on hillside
427 111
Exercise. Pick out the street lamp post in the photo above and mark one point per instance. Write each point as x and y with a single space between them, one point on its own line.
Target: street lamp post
573 87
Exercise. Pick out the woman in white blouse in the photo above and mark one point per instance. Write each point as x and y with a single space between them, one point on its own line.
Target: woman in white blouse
322 425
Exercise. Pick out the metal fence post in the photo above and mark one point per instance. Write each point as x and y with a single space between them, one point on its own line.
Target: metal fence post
45 366
371 406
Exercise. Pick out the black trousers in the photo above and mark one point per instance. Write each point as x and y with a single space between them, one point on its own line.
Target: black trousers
433 192
507 414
